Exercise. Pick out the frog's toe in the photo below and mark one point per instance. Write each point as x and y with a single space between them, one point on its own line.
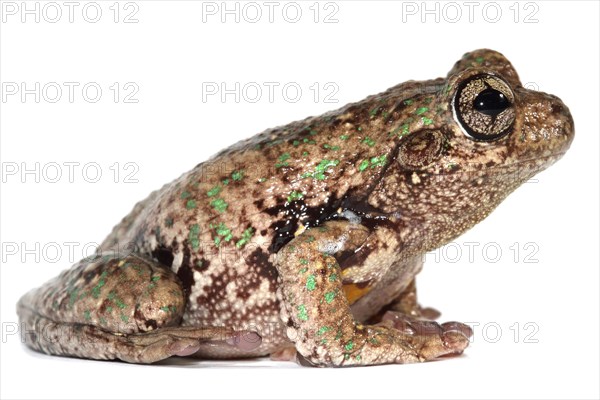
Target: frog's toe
184 348
150 347
432 340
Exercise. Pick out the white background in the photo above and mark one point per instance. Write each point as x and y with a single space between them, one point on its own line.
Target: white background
170 52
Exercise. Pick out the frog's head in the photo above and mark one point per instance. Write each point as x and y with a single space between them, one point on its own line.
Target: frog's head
485 136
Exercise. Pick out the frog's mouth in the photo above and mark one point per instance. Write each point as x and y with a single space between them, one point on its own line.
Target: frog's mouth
534 165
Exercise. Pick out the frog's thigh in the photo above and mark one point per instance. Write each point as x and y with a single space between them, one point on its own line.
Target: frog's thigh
112 307
318 314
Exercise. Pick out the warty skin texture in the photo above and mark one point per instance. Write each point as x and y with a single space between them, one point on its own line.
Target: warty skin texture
304 236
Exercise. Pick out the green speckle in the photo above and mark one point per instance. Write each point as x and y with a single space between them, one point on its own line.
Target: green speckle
283 160
427 100
246 236
294 196
237 175
373 111
329 296
87 315
302 314
358 357
109 309
96 289
194 235
261 180
303 261
223 233
421 110
369 142
296 143
332 277
311 283
405 129
219 204
479 60
304 153
191 204
303 270
344 137
319 172
349 346
309 141
330 147
124 318
363 165
155 278
426 121
165 309
103 321
379 161
225 181
119 303
408 102
322 330
214 191
185 194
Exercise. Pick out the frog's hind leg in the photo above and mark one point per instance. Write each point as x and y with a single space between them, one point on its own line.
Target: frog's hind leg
125 308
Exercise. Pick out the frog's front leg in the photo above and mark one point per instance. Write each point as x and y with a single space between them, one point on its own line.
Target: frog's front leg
112 307
318 314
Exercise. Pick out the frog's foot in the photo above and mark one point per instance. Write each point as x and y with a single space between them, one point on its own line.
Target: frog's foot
423 328
318 314
118 308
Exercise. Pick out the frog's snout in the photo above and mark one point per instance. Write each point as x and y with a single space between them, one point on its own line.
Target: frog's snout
546 123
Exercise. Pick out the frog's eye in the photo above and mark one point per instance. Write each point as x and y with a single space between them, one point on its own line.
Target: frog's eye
484 107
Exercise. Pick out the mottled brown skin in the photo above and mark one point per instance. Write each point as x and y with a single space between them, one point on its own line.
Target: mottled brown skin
305 235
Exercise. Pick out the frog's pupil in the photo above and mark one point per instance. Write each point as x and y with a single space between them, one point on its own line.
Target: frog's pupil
491 102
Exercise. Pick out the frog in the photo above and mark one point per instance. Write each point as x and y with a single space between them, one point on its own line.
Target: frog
303 242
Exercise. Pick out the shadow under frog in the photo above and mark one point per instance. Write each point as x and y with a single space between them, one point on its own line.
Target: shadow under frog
303 242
